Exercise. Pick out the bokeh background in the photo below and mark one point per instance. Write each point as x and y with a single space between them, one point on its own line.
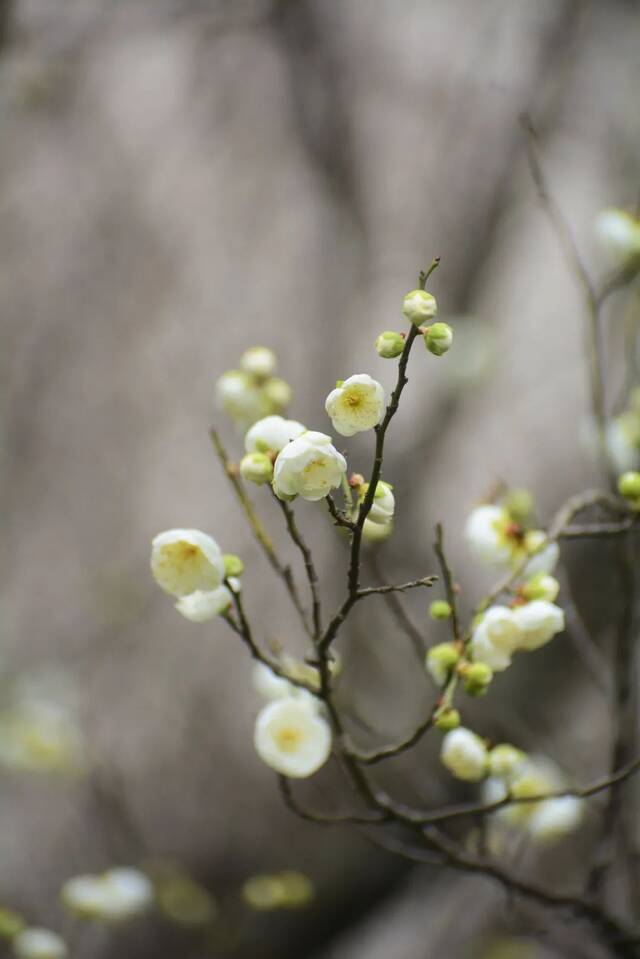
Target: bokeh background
179 181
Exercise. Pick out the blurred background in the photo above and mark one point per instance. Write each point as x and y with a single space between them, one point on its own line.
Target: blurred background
182 179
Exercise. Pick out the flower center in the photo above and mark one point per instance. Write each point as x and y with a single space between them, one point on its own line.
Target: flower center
288 739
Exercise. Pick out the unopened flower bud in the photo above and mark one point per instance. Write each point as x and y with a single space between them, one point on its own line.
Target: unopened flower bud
541 586
477 677
278 394
629 485
440 660
258 361
440 609
233 565
418 306
464 754
448 719
519 504
505 760
389 344
438 338
256 468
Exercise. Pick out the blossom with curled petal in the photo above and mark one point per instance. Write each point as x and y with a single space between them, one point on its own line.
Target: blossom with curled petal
202 606
186 560
538 621
464 754
310 466
271 434
357 404
292 737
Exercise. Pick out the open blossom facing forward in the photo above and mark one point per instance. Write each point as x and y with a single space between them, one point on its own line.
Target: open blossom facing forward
292 737
356 405
310 466
271 434
186 560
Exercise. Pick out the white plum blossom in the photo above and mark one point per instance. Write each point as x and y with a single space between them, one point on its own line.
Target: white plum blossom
310 466
376 532
116 895
356 405
202 606
258 361
35 943
292 737
384 504
464 754
271 434
539 621
186 560
619 233
486 531
556 818
495 638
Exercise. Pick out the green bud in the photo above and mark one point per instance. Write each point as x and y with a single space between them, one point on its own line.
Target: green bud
505 760
519 504
277 393
477 677
440 660
438 338
418 306
256 468
447 720
440 609
629 485
389 345
541 586
233 565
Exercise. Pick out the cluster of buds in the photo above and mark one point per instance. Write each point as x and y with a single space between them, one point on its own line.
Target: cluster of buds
253 391
419 307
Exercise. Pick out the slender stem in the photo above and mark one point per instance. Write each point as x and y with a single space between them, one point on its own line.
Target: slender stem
338 516
449 584
312 575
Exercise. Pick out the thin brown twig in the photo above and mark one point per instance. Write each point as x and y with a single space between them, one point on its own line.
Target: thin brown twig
312 575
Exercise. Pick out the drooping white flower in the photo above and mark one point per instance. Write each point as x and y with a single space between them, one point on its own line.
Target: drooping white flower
384 504
310 466
487 533
35 943
464 754
544 555
356 405
539 621
292 737
116 895
619 233
258 361
495 638
376 532
202 606
555 818
270 434
186 560
241 399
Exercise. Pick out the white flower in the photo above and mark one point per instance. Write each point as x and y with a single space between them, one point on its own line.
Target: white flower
384 504
619 233
539 621
292 738
376 532
356 405
184 560
114 896
464 754
39 944
309 466
271 434
495 638
258 361
544 558
555 818
240 398
201 606
486 532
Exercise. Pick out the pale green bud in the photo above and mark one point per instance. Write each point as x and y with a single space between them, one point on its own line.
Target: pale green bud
256 468
477 677
447 720
438 338
389 344
541 586
440 609
258 361
233 565
440 660
519 503
418 306
505 760
278 393
629 485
